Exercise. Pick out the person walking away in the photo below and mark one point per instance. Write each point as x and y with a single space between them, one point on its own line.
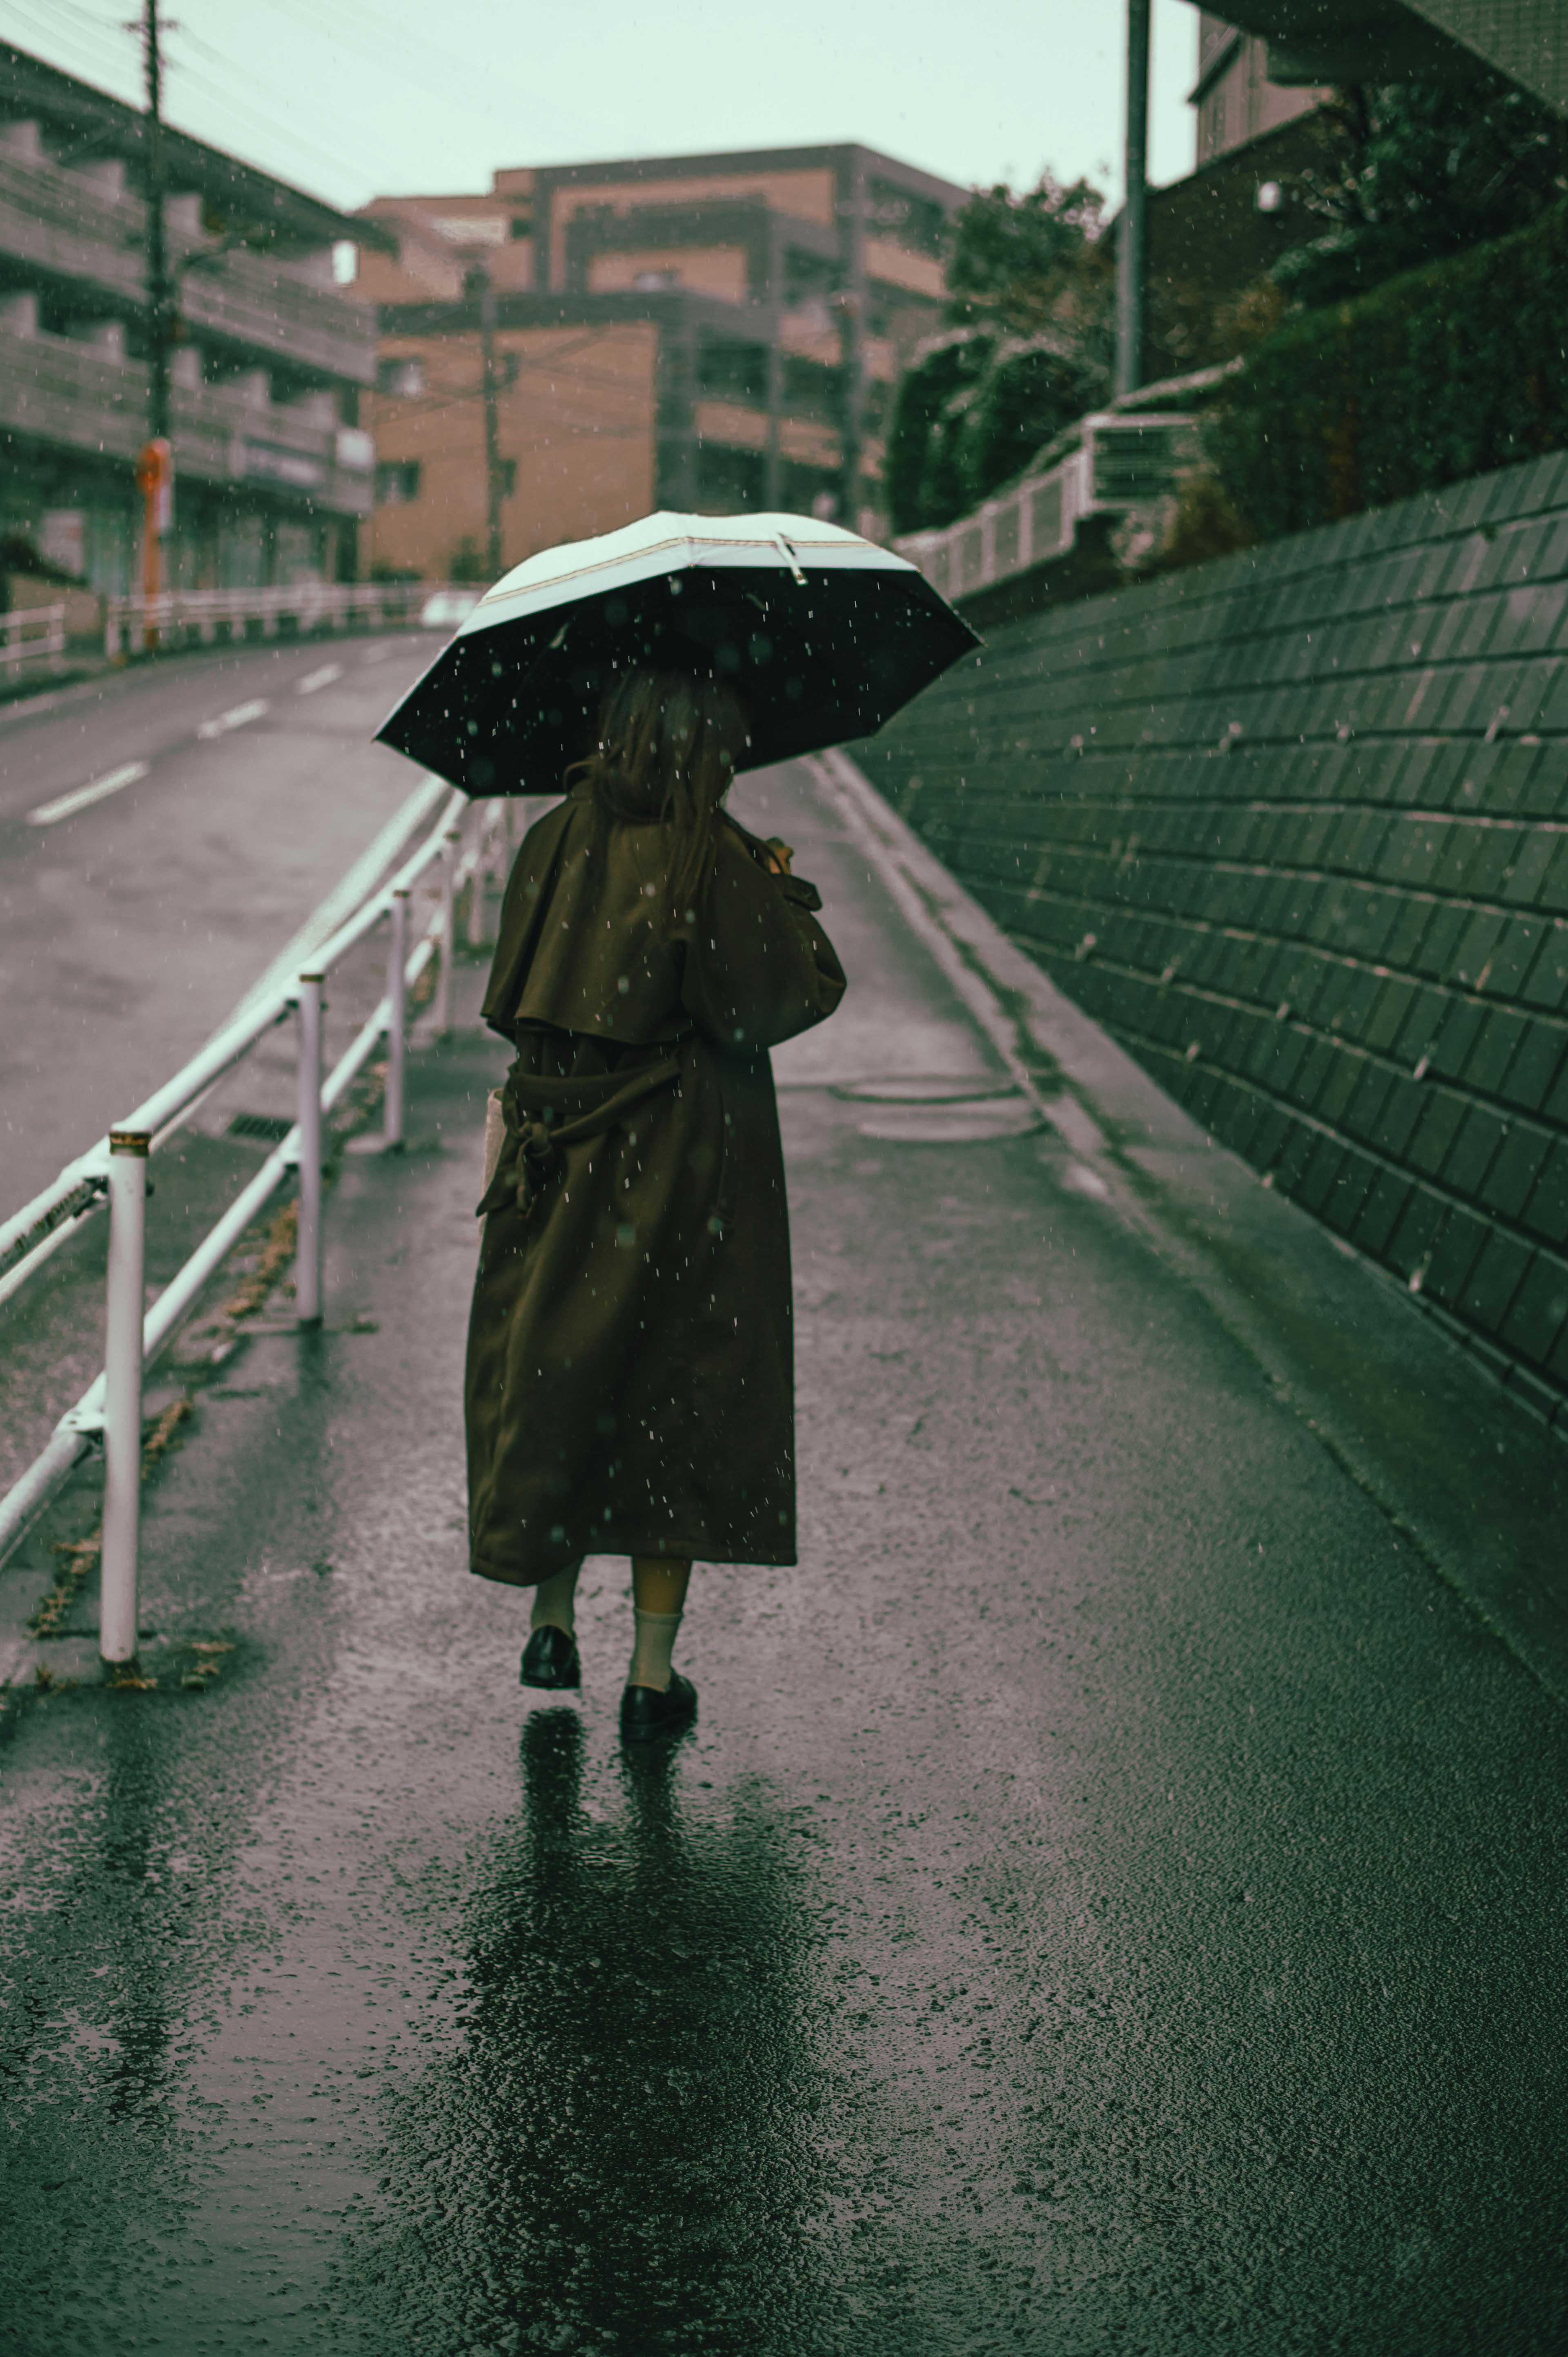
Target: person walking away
629 1385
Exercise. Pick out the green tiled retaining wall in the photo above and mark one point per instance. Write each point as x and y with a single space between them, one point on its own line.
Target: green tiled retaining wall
1294 826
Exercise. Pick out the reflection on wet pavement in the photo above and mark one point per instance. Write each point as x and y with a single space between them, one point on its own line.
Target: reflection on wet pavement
625 2146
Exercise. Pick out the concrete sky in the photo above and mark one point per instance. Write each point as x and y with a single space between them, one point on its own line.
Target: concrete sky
357 98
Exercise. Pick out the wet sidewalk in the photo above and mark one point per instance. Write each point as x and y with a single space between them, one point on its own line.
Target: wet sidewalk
1112 1901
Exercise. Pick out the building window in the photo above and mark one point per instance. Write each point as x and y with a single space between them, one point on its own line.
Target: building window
402 378
729 481
397 482
345 261
807 491
521 227
811 388
917 222
732 372
511 370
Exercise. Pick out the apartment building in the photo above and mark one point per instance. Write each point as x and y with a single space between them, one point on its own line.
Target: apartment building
704 332
1234 97
273 461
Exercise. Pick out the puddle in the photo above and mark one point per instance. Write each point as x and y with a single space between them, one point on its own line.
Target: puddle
925 1089
927 1109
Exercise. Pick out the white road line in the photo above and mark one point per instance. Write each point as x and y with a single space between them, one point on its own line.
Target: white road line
236 718
110 782
322 678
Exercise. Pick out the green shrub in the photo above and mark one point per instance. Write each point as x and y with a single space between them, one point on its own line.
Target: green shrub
923 473
1447 372
1026 350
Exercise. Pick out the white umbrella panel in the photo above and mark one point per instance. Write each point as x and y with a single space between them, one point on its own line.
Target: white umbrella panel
826 634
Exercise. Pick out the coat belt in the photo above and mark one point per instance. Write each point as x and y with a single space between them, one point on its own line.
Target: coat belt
545 1116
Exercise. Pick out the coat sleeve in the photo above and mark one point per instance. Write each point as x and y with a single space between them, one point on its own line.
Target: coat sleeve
758 968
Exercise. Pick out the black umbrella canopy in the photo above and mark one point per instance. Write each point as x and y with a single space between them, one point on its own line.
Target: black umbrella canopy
822 651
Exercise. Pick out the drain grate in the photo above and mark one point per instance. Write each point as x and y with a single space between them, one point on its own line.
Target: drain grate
271 1129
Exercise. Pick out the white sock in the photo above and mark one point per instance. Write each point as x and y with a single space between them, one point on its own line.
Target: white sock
655 1644
555 1600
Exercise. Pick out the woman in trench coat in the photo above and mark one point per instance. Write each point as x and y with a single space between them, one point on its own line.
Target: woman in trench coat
631 1376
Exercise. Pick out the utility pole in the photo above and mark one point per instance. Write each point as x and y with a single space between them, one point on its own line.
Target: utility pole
492 425
851 301
158 250
155 470
1131 232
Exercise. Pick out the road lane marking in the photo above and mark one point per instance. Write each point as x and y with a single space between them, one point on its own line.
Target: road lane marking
322 678
110 782
235 718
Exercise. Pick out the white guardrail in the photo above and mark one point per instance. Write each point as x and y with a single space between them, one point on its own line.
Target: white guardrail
1119 462
181 616
114 1171
30 635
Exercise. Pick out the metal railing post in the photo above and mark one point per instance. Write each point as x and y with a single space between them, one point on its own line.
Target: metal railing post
308 1247
477 880
122 1394
448 932
397 1021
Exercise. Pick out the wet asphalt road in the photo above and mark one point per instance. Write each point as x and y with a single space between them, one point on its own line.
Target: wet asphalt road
131 928
1112 1900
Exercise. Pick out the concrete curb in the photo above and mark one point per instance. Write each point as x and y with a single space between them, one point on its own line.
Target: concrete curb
1458 1468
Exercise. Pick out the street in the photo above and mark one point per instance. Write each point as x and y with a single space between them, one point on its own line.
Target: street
1112 1901
131 927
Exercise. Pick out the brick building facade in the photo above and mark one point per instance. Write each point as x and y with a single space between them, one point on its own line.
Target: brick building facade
708 333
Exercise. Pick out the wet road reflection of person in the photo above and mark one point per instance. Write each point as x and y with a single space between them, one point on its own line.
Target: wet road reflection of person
622 2157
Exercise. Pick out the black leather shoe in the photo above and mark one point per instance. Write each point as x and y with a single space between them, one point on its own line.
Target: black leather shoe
550 1659
645 1712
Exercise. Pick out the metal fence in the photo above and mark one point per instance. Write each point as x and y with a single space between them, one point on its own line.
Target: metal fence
1119 463
114 1173
32 638
184 617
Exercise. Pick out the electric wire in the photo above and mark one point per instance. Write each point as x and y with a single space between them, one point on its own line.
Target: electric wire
53 33
177 69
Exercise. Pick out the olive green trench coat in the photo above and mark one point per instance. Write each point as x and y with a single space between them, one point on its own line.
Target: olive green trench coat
630 1370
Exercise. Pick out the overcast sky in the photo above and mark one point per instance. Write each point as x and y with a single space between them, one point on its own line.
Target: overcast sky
358 98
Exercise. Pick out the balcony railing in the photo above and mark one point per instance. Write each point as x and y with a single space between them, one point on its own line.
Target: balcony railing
61 392
57 223
245 299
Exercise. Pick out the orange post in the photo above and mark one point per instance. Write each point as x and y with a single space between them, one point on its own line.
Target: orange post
155 480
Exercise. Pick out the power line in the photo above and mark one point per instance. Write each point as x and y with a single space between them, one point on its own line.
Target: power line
53 33
275 130
423 62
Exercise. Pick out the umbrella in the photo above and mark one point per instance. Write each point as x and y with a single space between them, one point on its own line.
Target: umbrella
826 634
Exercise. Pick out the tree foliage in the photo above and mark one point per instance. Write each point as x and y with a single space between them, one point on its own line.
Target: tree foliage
1442 373
1025 349
1421 170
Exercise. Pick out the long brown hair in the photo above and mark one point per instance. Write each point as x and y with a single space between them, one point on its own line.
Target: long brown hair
668 745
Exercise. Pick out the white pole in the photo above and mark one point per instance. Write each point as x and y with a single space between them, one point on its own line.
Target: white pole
122 1394
449 934
308 1250
476 879
397 1021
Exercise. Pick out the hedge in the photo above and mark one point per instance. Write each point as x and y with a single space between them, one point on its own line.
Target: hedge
1447 372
